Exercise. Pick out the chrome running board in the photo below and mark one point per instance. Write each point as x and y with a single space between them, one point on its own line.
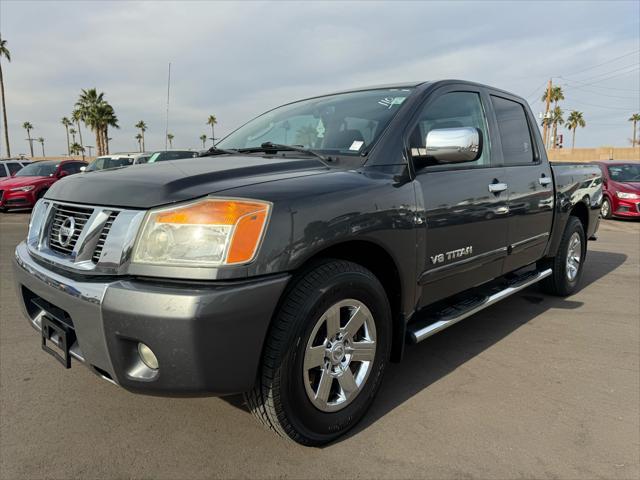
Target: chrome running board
425 328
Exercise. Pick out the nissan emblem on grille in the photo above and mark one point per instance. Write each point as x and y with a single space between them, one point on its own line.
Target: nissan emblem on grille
66 231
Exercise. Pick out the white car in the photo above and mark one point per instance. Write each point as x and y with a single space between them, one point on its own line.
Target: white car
117 160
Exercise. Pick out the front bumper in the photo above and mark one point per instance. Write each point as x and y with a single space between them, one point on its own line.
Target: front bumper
208 338
10 199
623 207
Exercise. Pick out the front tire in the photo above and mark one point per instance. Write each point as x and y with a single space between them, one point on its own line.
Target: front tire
568 263
325 354
605 209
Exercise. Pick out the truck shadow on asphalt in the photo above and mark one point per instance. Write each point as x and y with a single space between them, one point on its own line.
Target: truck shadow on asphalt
436 357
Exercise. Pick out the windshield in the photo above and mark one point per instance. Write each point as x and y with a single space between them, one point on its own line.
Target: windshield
102 163
37 169
629 172
345 124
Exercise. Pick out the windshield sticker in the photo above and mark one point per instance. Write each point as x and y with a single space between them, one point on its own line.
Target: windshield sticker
391 101
356 145
320 129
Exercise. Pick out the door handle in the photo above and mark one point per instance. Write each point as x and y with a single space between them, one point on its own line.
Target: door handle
544 181
497 187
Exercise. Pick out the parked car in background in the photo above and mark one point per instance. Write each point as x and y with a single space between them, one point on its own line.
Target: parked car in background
10 166
621 189
117 160
31 182
164 155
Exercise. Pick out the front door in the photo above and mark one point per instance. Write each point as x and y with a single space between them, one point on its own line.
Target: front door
465 219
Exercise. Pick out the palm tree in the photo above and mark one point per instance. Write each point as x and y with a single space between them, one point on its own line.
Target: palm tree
170 137
635 118
76 148
28 127
203 138
86 106
555 95
212 120
139 138
41 140
556 119
67 123
73 134
4 52
574 121
76 117
105 117
143 128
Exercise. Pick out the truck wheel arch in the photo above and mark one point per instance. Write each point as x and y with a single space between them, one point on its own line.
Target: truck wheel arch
581 211
379 261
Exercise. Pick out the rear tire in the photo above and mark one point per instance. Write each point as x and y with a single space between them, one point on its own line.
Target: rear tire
325 354
568 263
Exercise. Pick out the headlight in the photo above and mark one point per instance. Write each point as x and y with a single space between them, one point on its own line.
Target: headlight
205 233
627 195
26 188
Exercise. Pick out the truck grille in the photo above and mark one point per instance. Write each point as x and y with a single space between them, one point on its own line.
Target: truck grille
103 237
67 224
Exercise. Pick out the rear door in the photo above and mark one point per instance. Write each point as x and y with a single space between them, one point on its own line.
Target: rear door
529 180
465 223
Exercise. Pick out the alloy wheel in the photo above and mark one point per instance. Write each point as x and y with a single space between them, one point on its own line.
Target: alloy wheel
339 355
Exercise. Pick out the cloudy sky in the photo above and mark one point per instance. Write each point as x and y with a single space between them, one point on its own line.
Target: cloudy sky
236 60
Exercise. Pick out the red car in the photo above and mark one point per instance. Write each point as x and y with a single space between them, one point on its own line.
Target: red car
621 189
23 189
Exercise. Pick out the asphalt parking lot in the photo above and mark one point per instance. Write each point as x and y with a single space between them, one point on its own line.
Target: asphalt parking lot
535 387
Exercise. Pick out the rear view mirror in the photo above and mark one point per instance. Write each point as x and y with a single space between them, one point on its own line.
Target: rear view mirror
453 145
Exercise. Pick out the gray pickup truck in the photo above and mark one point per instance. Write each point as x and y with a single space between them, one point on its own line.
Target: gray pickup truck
292 261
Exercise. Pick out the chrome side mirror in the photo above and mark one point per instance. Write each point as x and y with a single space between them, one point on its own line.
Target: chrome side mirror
82 169
453 145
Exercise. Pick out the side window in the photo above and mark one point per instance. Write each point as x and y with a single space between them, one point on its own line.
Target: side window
452 110
13 167
71 168
3 172
514 131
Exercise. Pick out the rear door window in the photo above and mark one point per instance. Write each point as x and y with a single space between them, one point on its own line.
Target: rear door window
514 131
3 171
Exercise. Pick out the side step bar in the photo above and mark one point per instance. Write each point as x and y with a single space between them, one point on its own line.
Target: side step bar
425 328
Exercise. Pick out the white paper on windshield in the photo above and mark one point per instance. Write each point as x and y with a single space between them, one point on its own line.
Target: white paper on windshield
356 145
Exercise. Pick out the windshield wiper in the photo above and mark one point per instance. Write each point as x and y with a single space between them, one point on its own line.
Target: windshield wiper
270 146
218 151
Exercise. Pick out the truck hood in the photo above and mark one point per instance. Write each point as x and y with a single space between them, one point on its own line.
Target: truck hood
151 185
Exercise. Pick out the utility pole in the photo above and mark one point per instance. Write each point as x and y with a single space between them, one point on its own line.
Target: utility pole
545 119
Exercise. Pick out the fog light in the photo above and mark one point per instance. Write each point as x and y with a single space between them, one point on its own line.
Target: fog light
147 356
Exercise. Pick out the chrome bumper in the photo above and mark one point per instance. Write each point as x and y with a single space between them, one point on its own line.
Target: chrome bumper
81 299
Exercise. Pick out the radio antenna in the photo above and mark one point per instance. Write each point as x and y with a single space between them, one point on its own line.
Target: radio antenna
166 129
